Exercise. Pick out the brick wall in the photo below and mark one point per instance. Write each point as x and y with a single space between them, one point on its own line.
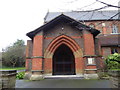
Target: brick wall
89 48
106 51
79 65
48 65
97 47
29 49
107 29
62 29
37 52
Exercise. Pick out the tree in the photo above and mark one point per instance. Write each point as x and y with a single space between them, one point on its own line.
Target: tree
14 55
113 61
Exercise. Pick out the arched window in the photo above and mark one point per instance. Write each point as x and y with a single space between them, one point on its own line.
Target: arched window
114 29
92 25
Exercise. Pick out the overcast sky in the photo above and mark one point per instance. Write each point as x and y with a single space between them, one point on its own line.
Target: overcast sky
17 17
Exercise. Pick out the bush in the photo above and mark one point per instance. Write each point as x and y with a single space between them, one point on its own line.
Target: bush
20 75
113 61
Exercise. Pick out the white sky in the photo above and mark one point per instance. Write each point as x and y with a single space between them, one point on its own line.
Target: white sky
17 17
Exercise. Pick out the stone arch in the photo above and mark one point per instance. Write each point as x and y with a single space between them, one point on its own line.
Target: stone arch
63 39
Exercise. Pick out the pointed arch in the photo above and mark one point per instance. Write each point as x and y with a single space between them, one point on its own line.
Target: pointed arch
63 39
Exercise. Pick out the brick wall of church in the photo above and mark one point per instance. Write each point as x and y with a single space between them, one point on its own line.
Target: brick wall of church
106 28
61 29
42 40
108 25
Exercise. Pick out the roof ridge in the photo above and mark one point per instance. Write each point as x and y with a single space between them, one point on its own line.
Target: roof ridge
67 19
85 15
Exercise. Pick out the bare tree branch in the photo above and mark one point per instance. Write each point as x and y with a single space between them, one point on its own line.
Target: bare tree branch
110 5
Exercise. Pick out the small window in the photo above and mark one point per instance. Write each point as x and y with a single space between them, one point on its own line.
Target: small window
92 25
91 61
114 50
114 29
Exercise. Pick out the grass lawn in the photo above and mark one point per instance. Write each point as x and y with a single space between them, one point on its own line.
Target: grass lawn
10 68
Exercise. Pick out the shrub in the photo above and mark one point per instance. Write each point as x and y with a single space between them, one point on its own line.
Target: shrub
113 61
20 75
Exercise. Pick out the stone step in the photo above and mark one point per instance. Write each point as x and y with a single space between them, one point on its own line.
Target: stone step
64 77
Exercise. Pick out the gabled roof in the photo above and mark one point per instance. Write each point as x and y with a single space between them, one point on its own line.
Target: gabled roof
65 19
85 15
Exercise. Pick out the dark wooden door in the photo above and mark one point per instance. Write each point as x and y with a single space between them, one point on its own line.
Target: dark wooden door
63 61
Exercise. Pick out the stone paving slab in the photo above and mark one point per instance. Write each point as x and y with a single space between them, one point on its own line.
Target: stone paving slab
63 83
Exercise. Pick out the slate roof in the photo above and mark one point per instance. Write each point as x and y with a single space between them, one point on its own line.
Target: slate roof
110 40
65 19
84 15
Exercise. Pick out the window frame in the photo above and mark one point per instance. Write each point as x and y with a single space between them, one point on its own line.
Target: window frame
114 29
91 61
114 50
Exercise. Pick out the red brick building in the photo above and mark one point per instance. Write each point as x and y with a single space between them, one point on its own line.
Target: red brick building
66 46
107 22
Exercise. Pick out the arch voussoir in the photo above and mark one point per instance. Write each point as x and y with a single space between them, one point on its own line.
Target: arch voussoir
63 39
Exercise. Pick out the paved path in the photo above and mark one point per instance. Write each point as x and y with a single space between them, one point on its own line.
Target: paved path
63 83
